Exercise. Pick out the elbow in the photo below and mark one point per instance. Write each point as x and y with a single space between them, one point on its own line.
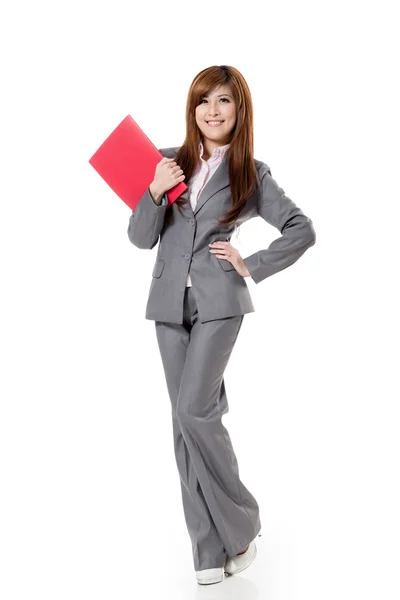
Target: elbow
131 229
311 237
135 240
131 235
301 227
141 242
138 242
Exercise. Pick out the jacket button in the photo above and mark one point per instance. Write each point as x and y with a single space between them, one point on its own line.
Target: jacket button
191 221
187 255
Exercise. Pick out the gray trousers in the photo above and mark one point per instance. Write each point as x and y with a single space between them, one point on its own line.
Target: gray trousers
221 515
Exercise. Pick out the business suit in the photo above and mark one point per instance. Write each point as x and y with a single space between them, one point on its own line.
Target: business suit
220 291
196 330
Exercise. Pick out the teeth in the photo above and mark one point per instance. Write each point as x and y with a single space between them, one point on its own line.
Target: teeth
215 122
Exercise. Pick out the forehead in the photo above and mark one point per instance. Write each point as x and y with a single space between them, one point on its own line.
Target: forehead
221 89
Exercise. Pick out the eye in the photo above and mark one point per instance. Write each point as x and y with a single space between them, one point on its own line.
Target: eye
201 101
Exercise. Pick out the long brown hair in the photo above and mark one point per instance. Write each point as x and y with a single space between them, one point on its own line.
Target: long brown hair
243 176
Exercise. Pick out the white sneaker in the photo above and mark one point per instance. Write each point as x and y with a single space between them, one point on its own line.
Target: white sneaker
238 563
206 576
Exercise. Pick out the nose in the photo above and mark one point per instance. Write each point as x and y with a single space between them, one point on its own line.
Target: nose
213 110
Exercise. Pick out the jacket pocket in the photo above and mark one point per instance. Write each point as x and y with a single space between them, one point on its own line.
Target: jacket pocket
158 267
225 264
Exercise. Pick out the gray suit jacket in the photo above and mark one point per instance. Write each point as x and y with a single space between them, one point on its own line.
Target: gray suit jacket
219 290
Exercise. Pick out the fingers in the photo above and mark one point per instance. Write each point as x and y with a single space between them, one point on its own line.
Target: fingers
224 248
221 244
168 173
175 169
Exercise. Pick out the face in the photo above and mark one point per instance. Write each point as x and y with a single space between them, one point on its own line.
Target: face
217 105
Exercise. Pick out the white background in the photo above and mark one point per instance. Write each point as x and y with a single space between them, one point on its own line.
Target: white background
90 498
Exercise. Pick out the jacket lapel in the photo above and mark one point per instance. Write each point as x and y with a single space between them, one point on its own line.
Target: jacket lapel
218 181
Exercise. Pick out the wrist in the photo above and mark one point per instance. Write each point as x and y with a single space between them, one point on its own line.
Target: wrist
155 193
245 269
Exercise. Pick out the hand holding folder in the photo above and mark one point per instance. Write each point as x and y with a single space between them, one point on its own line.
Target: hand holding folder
127 161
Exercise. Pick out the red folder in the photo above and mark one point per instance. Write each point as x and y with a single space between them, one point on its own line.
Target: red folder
127 161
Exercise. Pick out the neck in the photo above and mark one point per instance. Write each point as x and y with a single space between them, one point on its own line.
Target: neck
209 147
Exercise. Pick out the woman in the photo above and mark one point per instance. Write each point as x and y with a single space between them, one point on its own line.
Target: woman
198 298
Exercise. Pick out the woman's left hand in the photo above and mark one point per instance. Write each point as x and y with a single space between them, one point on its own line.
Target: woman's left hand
225 251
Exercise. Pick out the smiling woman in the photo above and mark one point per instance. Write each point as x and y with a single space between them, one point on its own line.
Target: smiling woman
198 298
220 94
216 111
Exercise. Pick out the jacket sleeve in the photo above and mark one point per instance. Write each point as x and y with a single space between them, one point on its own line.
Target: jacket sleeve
297 231
146 222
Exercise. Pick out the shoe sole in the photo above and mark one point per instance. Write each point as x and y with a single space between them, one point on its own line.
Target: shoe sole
246 565
215 578
208 581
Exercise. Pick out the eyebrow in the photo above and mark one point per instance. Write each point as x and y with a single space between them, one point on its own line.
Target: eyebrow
206 95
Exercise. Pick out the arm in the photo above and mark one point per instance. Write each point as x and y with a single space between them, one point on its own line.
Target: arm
297 231
146 223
